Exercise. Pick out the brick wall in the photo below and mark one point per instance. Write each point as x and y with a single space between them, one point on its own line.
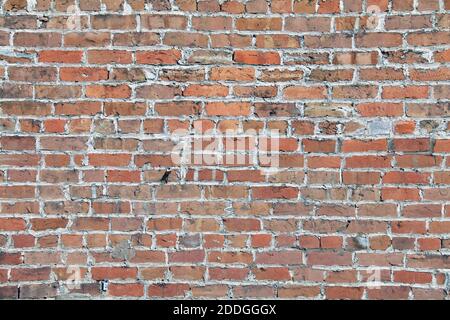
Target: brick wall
350 98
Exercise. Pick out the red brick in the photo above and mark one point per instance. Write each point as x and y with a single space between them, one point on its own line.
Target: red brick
410 92
126 290
275 192
353 293
380 109
255 24
25 274
158 57
257 57
300 93
60 56
108 91
228 109
82 74
109 56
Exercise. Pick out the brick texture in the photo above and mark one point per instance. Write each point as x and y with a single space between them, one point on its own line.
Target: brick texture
96 94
